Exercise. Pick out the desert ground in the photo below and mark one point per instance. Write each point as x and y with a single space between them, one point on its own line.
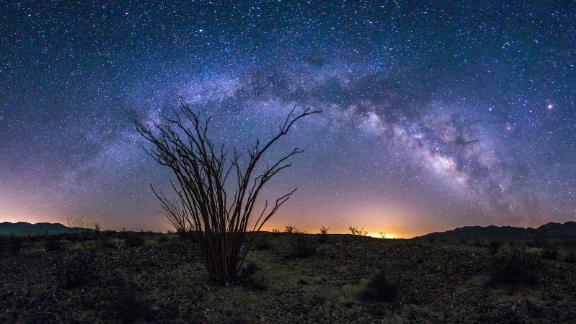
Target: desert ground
288 278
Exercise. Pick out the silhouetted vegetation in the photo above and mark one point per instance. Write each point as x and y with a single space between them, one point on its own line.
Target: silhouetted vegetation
514 268
302 245
204 175
134 240
16 244
570 256
262 244
3 247
52 243
477 243
539 243
357 231
323 236
289 228
106 241
130 306
379 289
550 253
247 278
163 238
494 247
76 270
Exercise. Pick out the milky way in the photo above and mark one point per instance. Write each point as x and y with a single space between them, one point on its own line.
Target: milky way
435 114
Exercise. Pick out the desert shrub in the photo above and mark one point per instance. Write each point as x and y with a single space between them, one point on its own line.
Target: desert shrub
249 269
123 234
550 253
107 242
261 244
539 243
247 278
379 289
513 245
188 235
207 176
477 243
323 236
162 238
130 307
2 247
288 228
16 244
72 237
76 270
570 257
357 231
52 243
302 246
494 247
570 244
134 240
515 268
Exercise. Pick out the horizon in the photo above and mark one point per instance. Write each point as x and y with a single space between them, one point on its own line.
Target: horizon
273 229
435 115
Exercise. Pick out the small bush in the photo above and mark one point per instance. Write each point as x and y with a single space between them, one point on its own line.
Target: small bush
302 246
249 280
477 243
163 238
550 253
77 270
571 257
357 231
494 247
249 269
539 243
288 228
134 240
323 236
2 247
52 243
130 306
262 244
192 236
379 289
515 268
16 244
107 243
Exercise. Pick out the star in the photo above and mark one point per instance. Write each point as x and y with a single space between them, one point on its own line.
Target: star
421 104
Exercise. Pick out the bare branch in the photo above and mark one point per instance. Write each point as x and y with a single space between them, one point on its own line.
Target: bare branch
203 174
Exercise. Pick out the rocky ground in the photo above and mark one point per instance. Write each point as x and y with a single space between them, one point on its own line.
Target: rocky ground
163 280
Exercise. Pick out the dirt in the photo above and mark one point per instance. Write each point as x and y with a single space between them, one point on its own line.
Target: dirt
164 281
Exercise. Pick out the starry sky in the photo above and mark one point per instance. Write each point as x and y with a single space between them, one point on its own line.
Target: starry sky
436 114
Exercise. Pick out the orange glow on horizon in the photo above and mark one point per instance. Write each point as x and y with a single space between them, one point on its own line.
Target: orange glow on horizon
371 233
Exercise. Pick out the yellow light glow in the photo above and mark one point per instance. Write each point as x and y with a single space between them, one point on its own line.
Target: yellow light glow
382 235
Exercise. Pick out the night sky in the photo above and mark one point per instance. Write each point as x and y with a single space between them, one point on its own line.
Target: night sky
437 114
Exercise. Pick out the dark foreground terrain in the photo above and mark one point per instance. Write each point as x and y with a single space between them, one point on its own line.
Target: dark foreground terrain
290 278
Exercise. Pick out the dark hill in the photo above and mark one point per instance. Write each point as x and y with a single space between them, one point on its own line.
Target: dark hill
23 228
550 230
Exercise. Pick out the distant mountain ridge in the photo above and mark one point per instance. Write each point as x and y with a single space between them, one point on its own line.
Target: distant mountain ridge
24 228
550 230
